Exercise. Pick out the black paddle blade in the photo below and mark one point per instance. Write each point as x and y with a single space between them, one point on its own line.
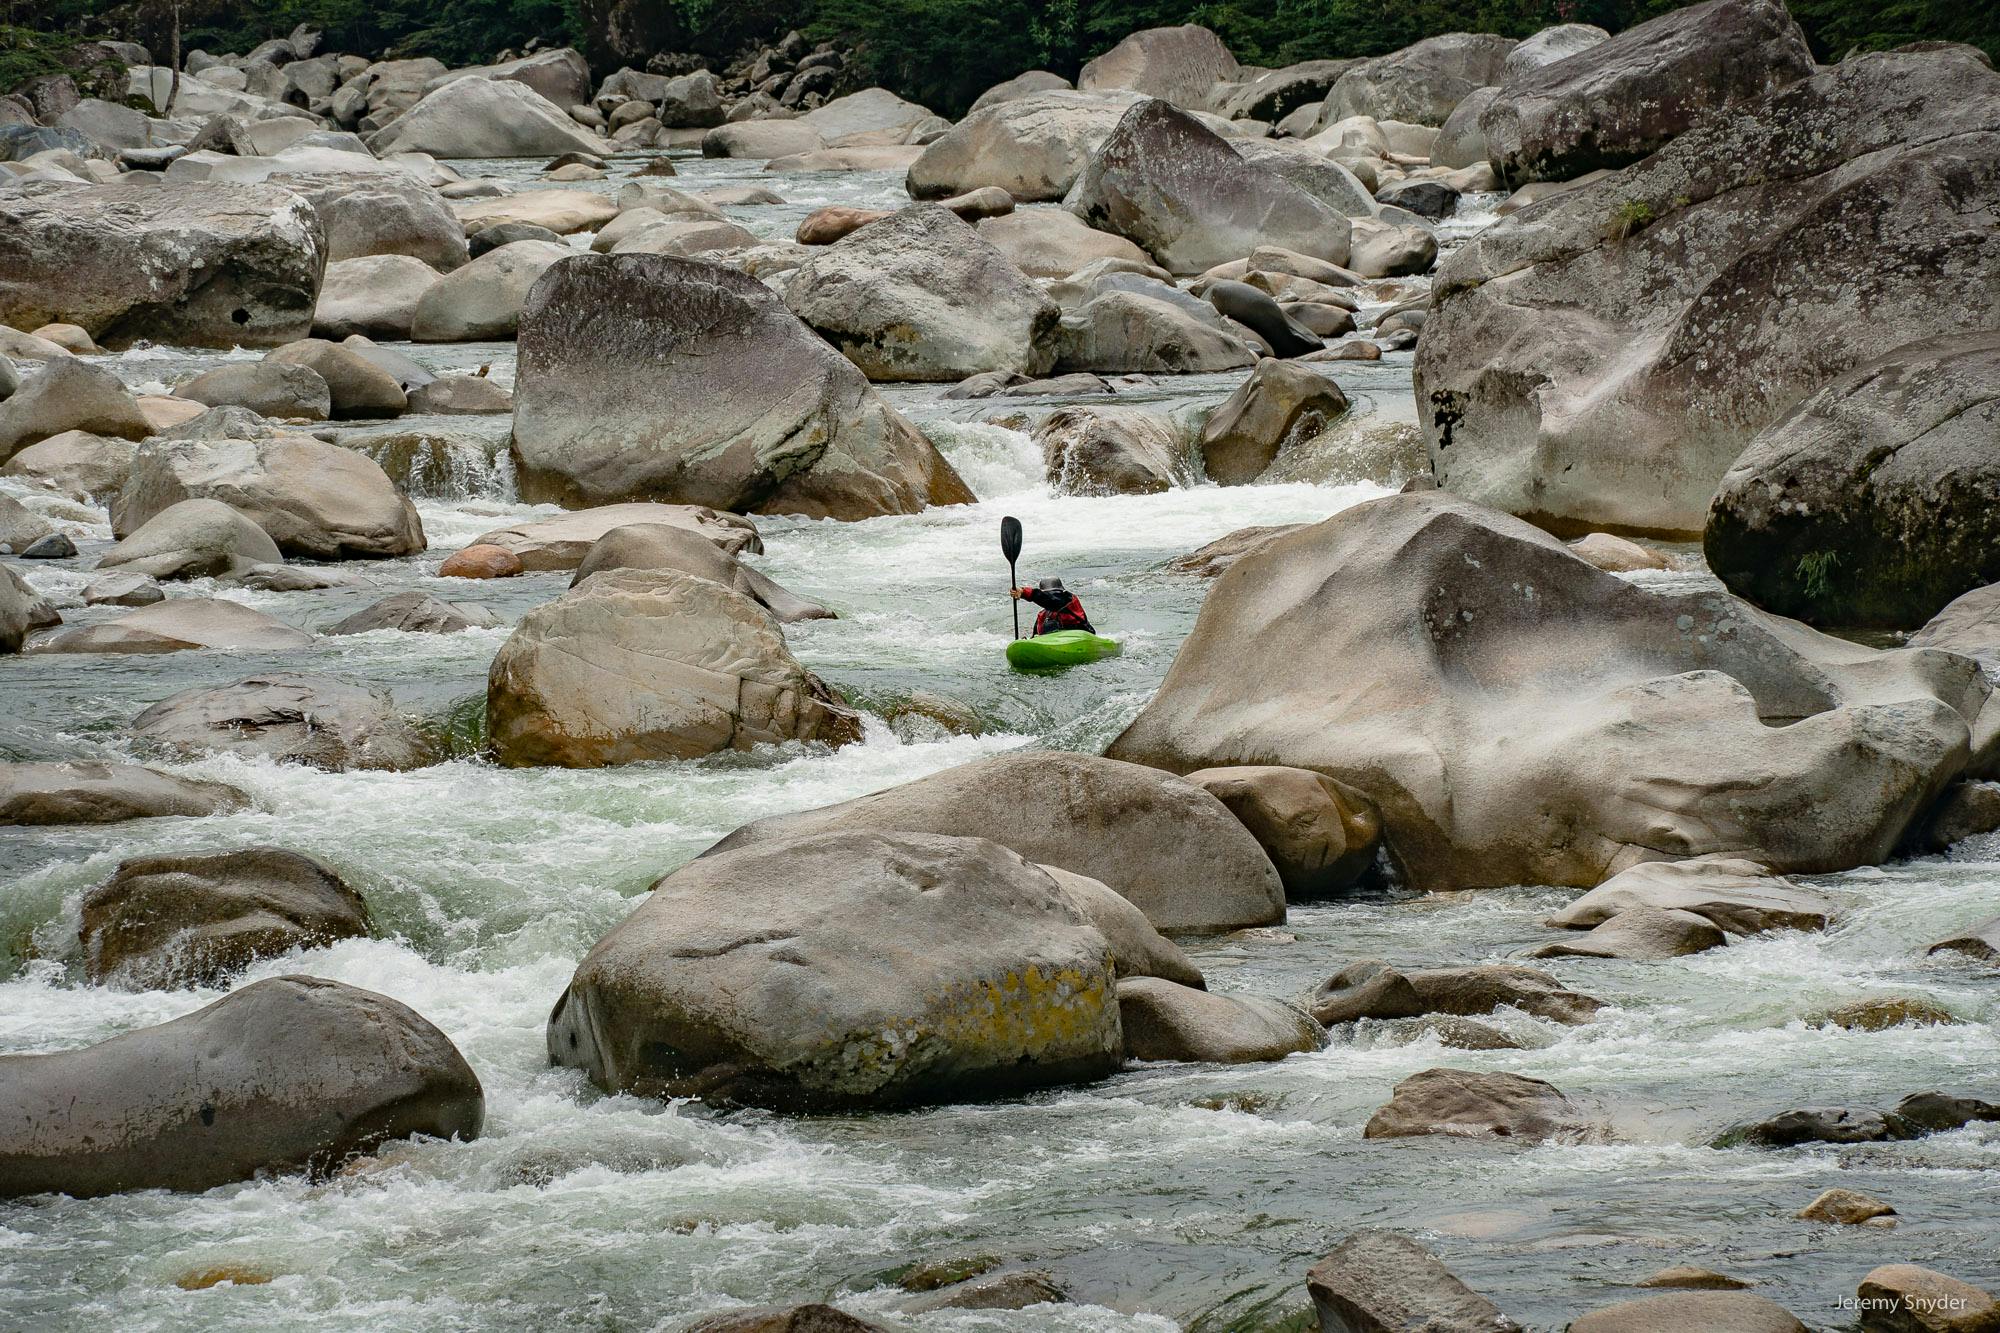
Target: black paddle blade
1010 539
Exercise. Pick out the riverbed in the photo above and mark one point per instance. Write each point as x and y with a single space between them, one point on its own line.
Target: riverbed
1170 1196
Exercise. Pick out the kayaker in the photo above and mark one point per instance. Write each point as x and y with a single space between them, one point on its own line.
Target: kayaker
1059 607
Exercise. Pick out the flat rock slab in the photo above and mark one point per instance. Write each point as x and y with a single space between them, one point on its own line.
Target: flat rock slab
1739 896
1694 1312
86 792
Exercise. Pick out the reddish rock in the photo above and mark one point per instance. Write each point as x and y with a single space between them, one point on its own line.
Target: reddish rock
481 562
827 225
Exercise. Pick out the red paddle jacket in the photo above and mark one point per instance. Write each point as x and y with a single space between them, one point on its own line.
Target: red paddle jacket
1060 610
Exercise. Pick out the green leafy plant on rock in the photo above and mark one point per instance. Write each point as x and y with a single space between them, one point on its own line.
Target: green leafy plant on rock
1816 573
1630 218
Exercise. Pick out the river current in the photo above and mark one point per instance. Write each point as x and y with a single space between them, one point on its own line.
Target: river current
1170 1196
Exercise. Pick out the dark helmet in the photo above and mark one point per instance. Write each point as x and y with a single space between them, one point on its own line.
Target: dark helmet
1051 585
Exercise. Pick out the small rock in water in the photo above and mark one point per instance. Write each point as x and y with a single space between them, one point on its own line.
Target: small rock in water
1373 989
1165 1021
932 1274
1823 1124
416 612
236 1275
1845 1207
1466 1035
785 1319
1981 942
1692 1312
1687 1278
481 562
123 590
1382 1282
1615 554
1966 810
1463 1103
1641 932
1014 1290
1904 1298
1885 1012
55 546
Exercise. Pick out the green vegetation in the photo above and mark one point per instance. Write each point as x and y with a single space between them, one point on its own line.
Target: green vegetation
941 52
1631 217
26 54
1816 573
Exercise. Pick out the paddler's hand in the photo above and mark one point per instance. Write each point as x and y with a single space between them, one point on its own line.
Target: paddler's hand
1014 593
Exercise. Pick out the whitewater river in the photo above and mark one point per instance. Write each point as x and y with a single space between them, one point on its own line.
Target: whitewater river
1170 1196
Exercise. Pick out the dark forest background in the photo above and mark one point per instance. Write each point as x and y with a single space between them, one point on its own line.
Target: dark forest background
939 52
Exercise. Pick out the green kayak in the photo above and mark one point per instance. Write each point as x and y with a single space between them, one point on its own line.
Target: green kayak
1063 648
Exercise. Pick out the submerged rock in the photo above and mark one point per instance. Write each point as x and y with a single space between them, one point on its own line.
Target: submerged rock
652 664
169 921
785 1319
178 625
1383 1282
1981 942
291 718
932 969
88 792
619 399
1464 1104
1164 844
1372 989
415 612
291 1073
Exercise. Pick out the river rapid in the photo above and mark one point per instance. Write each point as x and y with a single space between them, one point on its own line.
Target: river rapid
1170 1196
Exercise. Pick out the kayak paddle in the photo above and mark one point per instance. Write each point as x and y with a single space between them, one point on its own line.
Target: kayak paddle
1010 546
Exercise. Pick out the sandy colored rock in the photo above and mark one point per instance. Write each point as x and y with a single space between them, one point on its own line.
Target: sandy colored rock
1615 555
289 717
1166 1021
483 300
1905 1298
1110 451
1049 243
1845 1207
663 546
192 539
1641 932
88 792
1277 407
1373 989
268 388
1462 1104
1710 1311
179 625
481 561
1742 897
1320 835
65 395
1379 1281
564 541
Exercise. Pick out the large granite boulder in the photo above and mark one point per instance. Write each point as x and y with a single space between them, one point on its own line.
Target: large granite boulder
357 386
162 922
1279 407
1177 189
1601 358
79 464
207 264
375 296
316 500
920 295
289 718
1032 146
646 377
1049 243
288 1074
268 388
665 546
88 792
1165 845
1615 102
1121 332
1518 716
1420 84
560 75
1110 451
1321 835
642 664
1550 45
484 118
1876 501
1179 65
1021 85
845 970
1166 1021
191 540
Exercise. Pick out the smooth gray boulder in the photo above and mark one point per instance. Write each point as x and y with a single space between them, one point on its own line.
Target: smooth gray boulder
1373 989
89 792
663 546
22 529
1322 836
641 664
203 264
1465 1104
1876 501
316 500
359 388
1644 724
180 624
193 539
1033 146
1021 85
289 717
1279 407
1383 1282
1641 932
1180 65
1460 142
483 300
1178 190
1049 243
1166 1021
1420 84
288 1074
1138 949
560 75
1110 451
646 377
375 295
1548 46
166 922
1616 101
1970 624
381 213
461 395
926 968
920 295
268 388
1600 359
484 118
564 541
415 612
1126 332
1165 845
69 394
